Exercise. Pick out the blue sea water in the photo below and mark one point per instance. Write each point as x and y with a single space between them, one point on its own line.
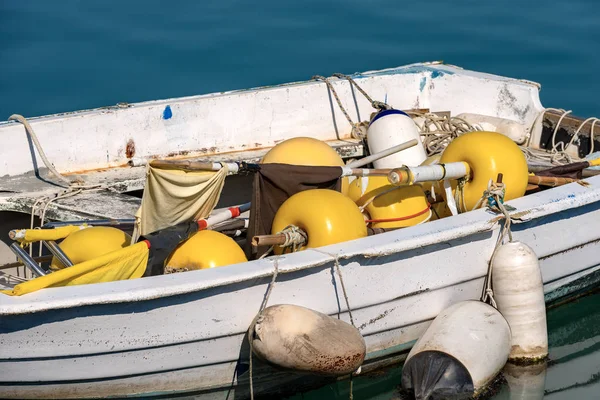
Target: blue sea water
66 55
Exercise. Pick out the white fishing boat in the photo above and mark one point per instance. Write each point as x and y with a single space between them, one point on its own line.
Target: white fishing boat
184 333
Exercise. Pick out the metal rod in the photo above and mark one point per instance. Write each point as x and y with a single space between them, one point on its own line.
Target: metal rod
364 172
57 252
233 167
428 173
387 152
41 259
93 222
27 260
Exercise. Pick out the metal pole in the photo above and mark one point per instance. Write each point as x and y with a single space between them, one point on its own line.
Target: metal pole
58 253
387 152
427 173
92 222
27 260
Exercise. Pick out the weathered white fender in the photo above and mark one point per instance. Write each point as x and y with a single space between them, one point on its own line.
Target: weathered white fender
519 294
461 352
390 128
304 340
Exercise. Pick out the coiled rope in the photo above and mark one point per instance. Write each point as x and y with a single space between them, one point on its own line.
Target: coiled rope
557 155
438 131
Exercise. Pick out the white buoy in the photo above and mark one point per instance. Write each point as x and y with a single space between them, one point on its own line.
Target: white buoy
390 128
462 351
303 340
519 294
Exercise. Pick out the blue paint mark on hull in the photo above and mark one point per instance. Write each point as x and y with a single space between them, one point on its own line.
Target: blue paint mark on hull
167 113
422 84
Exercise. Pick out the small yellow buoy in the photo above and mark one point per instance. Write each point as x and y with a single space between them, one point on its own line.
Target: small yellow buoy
390 206
305 151
203 250
89 243
488 154
325 215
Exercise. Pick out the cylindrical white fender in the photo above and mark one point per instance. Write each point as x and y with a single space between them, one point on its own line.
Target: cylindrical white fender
390 128
462 351
508 127
519 294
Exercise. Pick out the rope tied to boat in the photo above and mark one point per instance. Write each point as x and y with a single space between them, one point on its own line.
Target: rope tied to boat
495 198
336 261
263 305
295 238
359 129
72 188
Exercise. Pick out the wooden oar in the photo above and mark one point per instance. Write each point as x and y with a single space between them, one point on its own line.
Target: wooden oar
550 180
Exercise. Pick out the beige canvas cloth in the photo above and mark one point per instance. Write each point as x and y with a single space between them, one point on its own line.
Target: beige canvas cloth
173 196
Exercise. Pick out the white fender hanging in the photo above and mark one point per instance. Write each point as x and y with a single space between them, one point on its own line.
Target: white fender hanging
519 294
390 128
304 340
461 352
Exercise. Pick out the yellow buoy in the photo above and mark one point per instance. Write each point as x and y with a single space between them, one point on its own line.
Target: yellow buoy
488 154
89 243
390 206
203 250
325 215
305 151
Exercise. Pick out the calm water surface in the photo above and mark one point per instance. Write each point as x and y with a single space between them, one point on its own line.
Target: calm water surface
67 55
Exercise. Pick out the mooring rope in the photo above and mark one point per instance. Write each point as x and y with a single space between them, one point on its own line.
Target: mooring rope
38 146
378 105
262 307
72 188
359 129
336 261
495 197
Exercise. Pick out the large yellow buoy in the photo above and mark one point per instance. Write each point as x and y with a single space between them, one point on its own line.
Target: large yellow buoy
390 206
305 151
89 243
488 154
325 215
203 250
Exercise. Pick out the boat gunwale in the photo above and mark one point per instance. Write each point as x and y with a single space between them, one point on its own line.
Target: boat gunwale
534 206
426 66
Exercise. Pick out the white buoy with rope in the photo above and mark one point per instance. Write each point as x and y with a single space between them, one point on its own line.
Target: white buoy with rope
467 344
